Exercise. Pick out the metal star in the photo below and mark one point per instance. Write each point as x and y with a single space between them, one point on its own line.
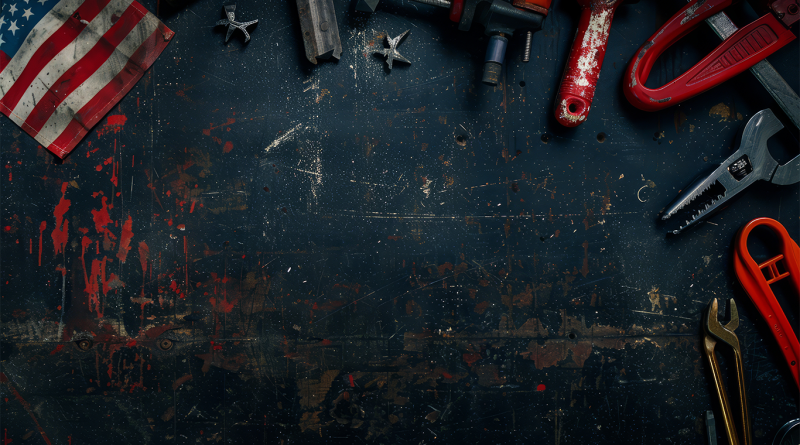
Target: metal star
391 52
233 25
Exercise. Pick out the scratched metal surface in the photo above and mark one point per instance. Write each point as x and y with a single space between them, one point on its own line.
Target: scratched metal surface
339 253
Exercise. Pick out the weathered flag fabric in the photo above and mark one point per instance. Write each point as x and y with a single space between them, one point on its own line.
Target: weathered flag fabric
65 63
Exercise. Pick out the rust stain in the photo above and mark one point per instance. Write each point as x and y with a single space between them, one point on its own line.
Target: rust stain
313 391
585 268
655 299
481 307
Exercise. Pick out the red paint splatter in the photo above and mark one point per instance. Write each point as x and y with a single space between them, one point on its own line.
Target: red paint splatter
471 358
447 375
60 232
85 242
221 305
191 209
207 131
541 387
57 349
228 147
115 174
6 440
99 167
131 343
117 119
125 239
352 382
42 228
173 286
101 217
93 285
144 254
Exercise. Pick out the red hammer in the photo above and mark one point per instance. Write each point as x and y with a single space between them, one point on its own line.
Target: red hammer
585 60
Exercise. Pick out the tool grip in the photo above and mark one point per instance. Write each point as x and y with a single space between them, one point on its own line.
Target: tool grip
736 54
579 82
757 278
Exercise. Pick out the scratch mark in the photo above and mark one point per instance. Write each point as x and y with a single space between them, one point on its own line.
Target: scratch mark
283 138
663 315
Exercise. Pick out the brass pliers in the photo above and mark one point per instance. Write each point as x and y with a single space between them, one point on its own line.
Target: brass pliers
715 332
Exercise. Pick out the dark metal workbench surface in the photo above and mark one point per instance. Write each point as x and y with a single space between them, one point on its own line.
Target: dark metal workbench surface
339 253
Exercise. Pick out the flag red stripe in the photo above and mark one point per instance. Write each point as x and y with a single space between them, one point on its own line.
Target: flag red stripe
4 59
84 68
57 42
94 110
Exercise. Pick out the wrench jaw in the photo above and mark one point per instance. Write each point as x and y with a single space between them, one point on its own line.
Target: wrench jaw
750 163
715 332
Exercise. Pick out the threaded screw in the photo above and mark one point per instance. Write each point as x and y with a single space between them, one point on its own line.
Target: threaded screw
526 53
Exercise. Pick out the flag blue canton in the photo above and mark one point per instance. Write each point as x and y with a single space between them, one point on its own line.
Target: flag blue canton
17 19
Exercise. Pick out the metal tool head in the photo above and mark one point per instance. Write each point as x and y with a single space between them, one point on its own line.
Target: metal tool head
391 52
367 5
723 333
233 24
750 163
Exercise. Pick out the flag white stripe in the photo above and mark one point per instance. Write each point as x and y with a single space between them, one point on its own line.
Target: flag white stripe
46 27
66 59
82 95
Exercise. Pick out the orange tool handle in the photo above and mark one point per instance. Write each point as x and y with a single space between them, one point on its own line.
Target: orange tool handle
756 280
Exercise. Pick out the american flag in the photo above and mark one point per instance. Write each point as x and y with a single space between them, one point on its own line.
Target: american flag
65 63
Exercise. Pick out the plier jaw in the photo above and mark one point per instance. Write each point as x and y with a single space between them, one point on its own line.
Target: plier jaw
750 163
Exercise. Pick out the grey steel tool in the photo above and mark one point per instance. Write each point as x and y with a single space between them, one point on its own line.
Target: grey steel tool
320 29
233 25
750 163
500 19
711 428
783 94
715 332
367 5
391 53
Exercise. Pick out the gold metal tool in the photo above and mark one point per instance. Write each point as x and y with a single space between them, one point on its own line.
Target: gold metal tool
715 332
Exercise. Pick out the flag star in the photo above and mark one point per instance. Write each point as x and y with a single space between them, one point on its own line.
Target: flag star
42 1
13 28
12 9
2 21
2 41
27 14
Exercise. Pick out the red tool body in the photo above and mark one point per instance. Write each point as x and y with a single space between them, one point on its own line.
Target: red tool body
585 60
757 278
743 49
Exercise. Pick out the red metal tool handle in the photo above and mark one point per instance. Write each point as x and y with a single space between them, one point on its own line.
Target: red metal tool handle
456 8
746 47
756 279
585 60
